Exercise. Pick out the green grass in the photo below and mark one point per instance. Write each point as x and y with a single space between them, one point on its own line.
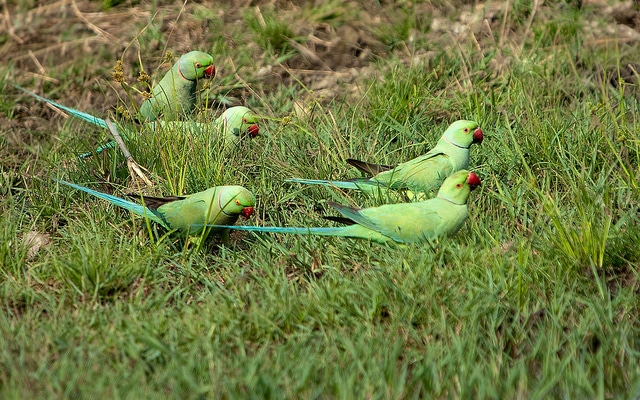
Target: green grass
535 297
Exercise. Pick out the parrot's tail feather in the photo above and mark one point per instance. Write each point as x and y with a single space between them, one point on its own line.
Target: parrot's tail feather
328 231
364 185
338 184
353 231
82 115
104 147
78 114
126 204
99 150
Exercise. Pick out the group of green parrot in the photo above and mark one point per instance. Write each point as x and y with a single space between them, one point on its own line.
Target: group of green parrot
217 209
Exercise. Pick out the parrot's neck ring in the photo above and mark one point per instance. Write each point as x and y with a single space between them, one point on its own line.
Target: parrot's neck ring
181 74
451 201
453 144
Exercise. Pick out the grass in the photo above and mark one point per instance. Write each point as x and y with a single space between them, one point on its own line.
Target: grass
536 296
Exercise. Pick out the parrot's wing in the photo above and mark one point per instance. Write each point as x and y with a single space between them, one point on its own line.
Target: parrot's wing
369 168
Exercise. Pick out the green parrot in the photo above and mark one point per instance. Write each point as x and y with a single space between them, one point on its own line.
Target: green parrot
174 97
420 175
232 125
189 214
421 221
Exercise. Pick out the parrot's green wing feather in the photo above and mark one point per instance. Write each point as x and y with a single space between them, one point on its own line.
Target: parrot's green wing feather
368 168
354 215
155 202
184 213
384 220
420 174
340 220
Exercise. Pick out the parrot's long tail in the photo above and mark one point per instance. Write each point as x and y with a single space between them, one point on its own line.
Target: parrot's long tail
353 231
78 114
100 149
322 231
126 204
339 184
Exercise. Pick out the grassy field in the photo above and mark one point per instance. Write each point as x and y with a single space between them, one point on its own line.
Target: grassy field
536 297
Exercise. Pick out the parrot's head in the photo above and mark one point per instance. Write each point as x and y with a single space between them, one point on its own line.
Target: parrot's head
196 65
240 121
457 186
463 133
236 200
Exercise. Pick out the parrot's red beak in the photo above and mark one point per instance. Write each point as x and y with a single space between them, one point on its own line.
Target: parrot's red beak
473 180
254 130
478 136
247 212
210 71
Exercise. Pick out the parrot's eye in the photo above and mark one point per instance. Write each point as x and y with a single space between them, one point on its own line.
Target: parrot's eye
459 186
198 65
244 121
466 130
237 202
